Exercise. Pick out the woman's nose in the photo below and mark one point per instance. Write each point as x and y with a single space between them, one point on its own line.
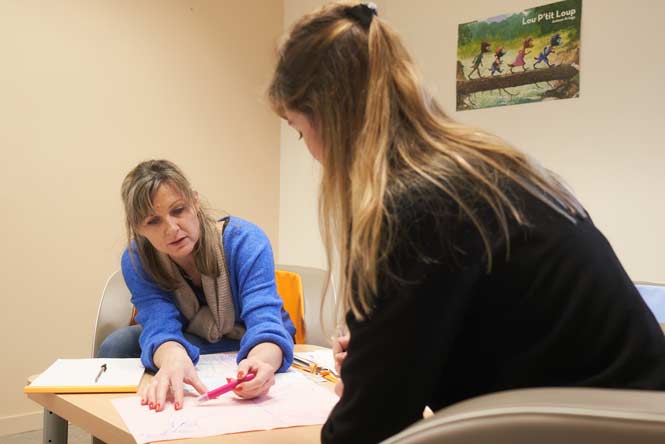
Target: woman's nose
171 225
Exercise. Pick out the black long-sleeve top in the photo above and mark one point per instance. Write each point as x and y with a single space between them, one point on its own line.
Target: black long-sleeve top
559 311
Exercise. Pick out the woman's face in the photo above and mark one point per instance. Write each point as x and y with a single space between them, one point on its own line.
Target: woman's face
308 132
173 228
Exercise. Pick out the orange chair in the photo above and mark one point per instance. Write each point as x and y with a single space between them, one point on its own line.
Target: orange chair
289 287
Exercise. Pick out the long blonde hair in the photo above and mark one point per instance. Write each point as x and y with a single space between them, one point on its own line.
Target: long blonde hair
138 189
383 135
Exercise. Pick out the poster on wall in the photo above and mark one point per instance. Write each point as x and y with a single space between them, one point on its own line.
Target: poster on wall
523 57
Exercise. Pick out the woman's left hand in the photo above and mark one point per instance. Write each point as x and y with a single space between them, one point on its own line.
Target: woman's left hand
339 346
339 388
264 378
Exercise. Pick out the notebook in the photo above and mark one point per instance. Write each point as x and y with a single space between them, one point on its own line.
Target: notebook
97 375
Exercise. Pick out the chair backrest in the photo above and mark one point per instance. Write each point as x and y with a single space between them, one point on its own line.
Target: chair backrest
546 416
289 287
116 310
319 320
654 296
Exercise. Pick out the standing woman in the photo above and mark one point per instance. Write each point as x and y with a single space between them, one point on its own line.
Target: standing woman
466 267
199 286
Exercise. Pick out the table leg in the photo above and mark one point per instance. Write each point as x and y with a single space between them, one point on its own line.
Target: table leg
55 429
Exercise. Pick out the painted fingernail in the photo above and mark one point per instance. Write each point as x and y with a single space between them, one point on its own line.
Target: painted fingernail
151 405
143 401
229 379
177 406
239 388
157 407
240 375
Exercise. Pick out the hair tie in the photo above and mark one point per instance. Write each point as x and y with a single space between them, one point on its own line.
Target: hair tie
363 13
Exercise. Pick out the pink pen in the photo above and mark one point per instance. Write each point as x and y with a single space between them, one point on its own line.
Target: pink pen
214 393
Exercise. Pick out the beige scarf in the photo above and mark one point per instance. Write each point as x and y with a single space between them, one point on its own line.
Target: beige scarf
217 319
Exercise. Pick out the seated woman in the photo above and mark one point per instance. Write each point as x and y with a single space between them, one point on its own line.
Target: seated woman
199 286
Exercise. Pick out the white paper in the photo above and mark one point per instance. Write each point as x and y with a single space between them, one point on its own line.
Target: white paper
292 401
82 373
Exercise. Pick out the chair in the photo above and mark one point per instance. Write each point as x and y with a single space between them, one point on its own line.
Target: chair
289 287
319 320
654 296
546 416
116 310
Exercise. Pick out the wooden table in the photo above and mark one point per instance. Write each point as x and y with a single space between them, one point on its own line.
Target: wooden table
94 413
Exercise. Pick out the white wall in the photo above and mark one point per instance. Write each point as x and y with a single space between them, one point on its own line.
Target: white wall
607 144
89 88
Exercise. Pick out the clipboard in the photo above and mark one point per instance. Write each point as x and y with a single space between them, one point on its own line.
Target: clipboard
120 375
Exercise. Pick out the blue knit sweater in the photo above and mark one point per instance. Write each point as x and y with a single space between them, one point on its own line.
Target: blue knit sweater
258 307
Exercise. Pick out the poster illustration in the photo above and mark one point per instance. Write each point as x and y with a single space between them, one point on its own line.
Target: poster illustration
528 56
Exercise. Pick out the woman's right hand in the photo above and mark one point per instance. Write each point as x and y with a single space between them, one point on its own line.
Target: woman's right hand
175 368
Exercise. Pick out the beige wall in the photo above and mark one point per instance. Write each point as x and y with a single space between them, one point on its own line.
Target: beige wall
89 88
607 144
299 238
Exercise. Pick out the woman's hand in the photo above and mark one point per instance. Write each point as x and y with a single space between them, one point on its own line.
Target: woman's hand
339 388
263 360
264 378
339 346
175 368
